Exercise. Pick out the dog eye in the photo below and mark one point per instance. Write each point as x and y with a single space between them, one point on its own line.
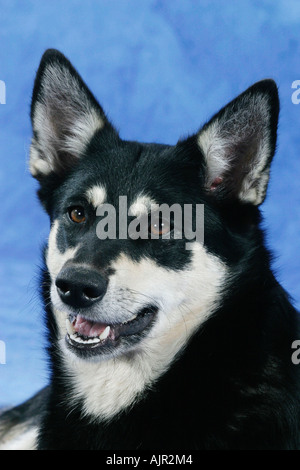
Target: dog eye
77 215
160 228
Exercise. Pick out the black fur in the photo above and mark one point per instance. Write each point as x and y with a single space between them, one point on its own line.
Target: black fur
235 385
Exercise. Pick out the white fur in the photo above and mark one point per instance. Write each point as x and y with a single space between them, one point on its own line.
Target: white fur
219 139
185 300
259 175
213 147
96 195
141 206
55 260
38 165
22 437
64 121
82 130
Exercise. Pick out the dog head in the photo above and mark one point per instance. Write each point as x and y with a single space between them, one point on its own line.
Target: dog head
128 282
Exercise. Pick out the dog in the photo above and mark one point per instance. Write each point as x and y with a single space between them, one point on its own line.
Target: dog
158 341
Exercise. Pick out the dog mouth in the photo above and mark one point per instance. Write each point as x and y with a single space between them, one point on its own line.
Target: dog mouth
88 336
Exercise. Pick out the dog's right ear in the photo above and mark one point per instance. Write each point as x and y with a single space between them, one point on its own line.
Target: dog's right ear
64 114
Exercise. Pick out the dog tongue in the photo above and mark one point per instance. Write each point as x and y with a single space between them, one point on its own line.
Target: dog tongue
88 328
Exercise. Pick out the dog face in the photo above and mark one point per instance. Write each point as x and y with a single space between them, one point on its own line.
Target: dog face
122 296
112 296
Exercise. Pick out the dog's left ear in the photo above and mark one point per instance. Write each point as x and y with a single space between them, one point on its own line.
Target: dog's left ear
64 114
239 142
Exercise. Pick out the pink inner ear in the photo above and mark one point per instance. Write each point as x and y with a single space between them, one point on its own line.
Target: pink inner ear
216 182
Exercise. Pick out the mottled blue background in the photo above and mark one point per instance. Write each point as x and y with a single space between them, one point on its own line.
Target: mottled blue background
160 68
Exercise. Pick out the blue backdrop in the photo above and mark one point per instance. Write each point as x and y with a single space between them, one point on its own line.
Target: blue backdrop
160 68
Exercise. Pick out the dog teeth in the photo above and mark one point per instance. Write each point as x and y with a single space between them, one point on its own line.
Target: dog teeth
92 340
105 333
130 319
79 339
69 327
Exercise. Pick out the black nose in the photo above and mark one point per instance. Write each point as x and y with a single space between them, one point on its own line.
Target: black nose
80 287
